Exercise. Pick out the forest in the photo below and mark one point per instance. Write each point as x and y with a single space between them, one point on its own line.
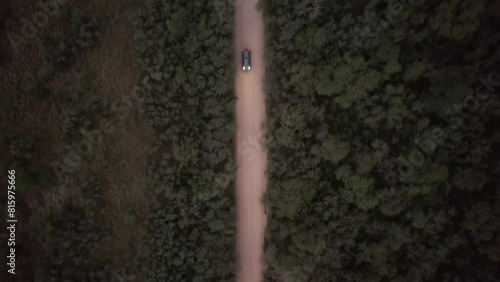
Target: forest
383 148
123 114
187 97
382 117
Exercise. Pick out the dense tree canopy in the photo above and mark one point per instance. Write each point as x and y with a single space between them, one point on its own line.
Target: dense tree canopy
382 144
186 94
383 153
184 227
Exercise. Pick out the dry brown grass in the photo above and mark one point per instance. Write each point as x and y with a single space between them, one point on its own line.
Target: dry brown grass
23 115
13 73
120 160
123 161
113 62
125 181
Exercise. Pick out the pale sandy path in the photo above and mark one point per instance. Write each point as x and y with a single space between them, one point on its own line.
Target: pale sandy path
252 160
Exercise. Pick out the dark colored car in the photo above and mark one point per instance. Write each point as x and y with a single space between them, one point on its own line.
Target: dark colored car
245 59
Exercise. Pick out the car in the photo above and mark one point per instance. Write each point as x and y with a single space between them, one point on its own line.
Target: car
246 59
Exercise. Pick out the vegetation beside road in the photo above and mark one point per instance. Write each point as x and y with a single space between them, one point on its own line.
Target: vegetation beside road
122 147
383 153
186 95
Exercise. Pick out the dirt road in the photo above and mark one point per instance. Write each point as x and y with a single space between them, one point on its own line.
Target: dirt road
251 158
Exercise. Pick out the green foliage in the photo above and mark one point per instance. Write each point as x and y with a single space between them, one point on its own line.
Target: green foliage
332 149
73 238
371 82
186 95
79 31
76 31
